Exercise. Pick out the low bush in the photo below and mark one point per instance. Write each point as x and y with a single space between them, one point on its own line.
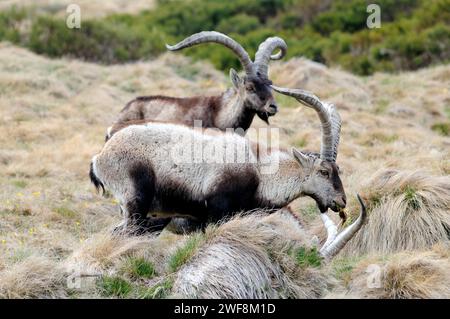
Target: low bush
414 33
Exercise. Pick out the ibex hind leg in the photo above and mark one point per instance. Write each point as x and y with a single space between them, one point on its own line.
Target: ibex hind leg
138 203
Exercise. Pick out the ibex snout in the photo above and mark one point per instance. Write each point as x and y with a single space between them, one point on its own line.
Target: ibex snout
339 202
272 109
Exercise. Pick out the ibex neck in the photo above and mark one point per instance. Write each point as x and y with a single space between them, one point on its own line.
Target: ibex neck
232 112
280 186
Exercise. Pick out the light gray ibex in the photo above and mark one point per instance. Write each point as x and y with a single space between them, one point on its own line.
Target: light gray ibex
138 166
235 108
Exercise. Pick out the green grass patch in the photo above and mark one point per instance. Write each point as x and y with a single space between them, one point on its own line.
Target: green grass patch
309 212
307 257
381 107
374 201
386 138
184 253
447 111
114 287
286 101
66 212
139 268
20 183
159 291
342 268
442 128
411 197
300 143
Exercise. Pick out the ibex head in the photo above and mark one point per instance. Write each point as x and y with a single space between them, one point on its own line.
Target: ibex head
256 94
322 180
254 87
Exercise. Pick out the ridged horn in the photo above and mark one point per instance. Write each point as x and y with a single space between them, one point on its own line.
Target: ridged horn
216 37
329 119
264 54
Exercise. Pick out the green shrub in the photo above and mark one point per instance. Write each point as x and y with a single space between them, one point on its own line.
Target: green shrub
10 24
414 33
240 24
98 41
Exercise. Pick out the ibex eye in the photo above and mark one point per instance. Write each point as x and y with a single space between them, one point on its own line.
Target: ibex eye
251 88
324 173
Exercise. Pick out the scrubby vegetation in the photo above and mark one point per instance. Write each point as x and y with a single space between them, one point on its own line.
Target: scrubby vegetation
414 33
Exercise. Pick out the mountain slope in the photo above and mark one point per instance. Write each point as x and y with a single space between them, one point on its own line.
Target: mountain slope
53 117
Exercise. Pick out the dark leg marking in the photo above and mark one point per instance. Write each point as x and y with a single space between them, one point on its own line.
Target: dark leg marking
182 226
142 177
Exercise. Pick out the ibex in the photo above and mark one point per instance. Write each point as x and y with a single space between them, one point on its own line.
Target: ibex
138 167
235 108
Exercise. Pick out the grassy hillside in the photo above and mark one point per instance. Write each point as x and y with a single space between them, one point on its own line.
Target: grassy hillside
395 150
414 33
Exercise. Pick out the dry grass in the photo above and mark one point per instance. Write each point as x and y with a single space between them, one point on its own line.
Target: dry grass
34 277
407 275
408 210
53 116
252 257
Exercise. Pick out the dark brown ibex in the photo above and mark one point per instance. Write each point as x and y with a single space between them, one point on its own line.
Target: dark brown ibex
235 108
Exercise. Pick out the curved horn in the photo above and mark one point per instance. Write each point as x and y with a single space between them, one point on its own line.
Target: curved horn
329 118
331 229
331 249
216 37
263 55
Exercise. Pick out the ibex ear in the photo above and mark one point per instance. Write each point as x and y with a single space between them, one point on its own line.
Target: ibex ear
302 158
235 79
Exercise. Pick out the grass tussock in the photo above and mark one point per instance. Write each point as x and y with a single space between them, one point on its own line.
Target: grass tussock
33 277
408 210
406 275
104 250
254 256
